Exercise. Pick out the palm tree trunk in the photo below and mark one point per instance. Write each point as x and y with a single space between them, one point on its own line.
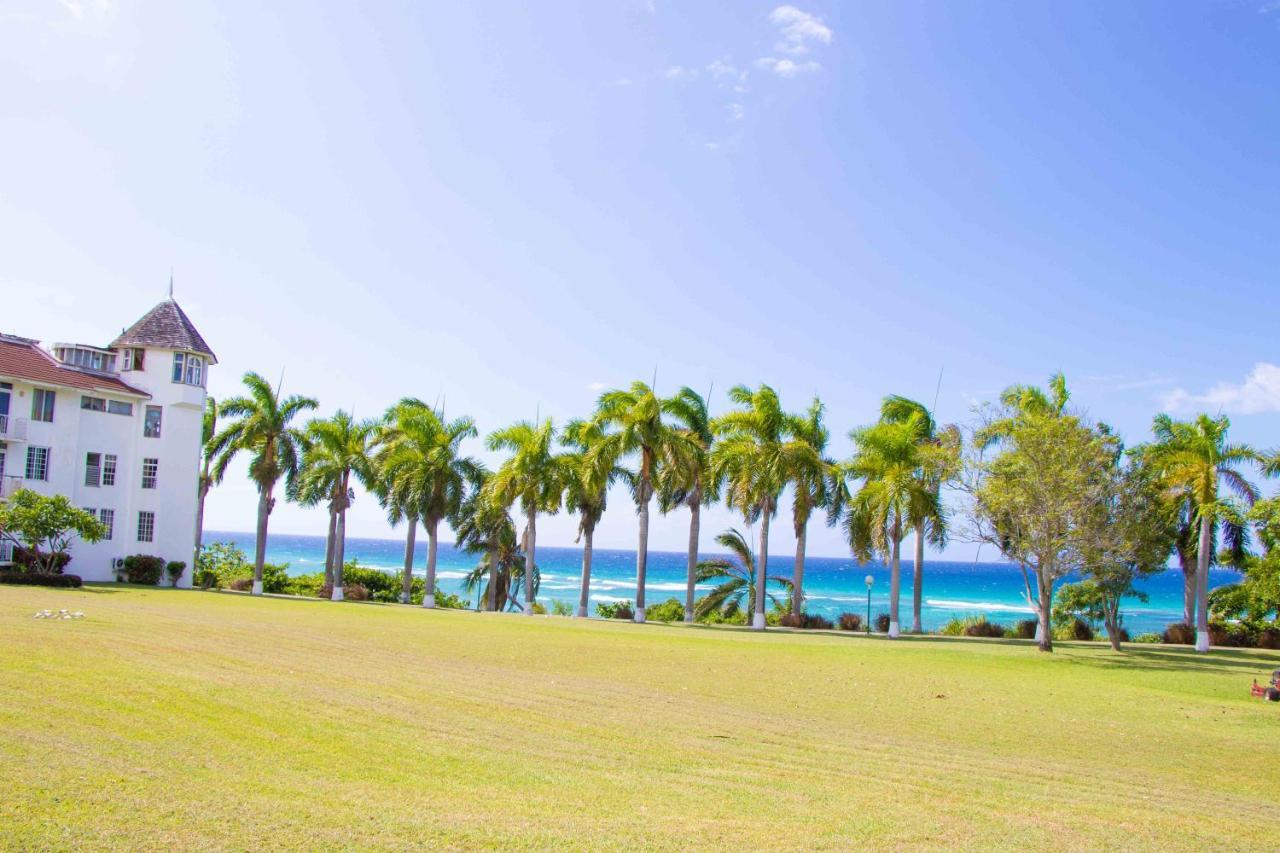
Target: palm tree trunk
895 580
328 546
202 493
1187 561
762 570
429 584
260 546
797 577
584 594
339 553
410 542
695 525
642 551
917 582
493 576
1202 585
530 560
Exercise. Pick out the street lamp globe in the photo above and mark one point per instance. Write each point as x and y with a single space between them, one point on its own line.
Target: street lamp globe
870 580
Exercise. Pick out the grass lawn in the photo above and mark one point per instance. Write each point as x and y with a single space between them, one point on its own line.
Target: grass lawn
176 719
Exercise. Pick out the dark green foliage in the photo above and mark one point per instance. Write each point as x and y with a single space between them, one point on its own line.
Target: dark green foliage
617 610
807 620
670 610
973 626
561 608
1024 629
39 579
882 623
850 622
1180 634
174 570
32 561
143 569
1076 629
1148 638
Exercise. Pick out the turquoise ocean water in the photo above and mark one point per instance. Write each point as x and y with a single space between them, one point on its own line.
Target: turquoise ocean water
832 585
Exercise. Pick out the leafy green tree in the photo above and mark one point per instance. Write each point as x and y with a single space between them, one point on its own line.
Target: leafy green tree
756 456
261 426
939 448
1027 499
811 475
534 476
737 579
688 478
422 470
589 472
45 526
1255 600
483 527
632 424
1196 461
335 450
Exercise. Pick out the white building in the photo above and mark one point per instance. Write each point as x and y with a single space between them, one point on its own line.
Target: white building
116 429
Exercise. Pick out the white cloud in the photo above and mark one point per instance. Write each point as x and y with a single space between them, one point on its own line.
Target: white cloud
622 81
786 67
97 8
720 68
798 29
597 386
736 111
1260 392
679 72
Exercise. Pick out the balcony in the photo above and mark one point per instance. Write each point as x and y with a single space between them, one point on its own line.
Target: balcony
9 484
13 429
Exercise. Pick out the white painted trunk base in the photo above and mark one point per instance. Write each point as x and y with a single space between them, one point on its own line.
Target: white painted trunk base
757 622
257 587
638 618
581 612
1202 641
528 610
429 601
337 593
688 616
893 629
404 598
1039 631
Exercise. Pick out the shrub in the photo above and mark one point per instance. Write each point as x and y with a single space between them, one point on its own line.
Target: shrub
616 610
539 609
1076 629
1269 637
1148 638
1024 629
805 620
1237 635
973 626
1180 634
241 584
453 602
350 591
174 570
143 569
882 623
718 617
850 622
33 561
670 610
561 608
39 579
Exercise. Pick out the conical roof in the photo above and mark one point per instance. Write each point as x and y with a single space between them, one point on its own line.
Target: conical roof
165 326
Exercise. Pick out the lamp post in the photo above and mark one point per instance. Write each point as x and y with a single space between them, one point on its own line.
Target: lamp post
870 581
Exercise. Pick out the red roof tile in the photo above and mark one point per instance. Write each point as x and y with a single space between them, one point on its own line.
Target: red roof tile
23 359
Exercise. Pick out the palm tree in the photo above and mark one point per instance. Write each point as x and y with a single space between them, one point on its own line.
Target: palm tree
532 475
940 457
756 456
424 473
335 449
483 527
891 499
811 477
206 482
635 416
738 579
688 479
261 428
589 475
1196 461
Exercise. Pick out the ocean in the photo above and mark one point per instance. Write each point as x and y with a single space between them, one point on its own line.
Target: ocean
832 585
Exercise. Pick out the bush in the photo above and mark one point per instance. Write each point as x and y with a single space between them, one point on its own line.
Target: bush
40 579
561 608
143 569
670 610
1269 638
1076 629
616 610
850 622
1024 629
174 570
539 609
973 626
882 623
811 621
241 584
1180 634
350 591
31 560
1148 638
1230 635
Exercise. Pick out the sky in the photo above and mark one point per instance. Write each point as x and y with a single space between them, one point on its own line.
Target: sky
508 207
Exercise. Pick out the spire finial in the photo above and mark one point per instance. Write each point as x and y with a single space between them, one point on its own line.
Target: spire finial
170 282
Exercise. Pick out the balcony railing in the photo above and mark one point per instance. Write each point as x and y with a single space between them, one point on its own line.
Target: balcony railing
13 429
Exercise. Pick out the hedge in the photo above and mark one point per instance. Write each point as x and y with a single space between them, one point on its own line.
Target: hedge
40 579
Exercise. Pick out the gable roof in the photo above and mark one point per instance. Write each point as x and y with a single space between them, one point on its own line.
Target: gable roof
22 358
165 326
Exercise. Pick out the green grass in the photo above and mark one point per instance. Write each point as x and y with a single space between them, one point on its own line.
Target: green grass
177 719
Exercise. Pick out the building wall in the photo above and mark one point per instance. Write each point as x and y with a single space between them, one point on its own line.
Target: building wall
76 432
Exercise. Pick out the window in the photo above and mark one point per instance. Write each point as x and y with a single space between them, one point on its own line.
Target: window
132 359
115 407
108 519
92 359
37 463
109 469
42 405
93 404
146 526
188 369
92 469
149 469
151 422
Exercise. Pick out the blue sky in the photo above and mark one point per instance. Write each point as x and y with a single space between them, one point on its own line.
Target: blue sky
509 206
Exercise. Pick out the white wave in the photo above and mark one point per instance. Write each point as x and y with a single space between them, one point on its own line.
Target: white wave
451 575
952 604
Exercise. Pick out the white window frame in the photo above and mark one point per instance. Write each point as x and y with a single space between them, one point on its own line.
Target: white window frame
32 453
108 519
146 526
109 463
149 480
